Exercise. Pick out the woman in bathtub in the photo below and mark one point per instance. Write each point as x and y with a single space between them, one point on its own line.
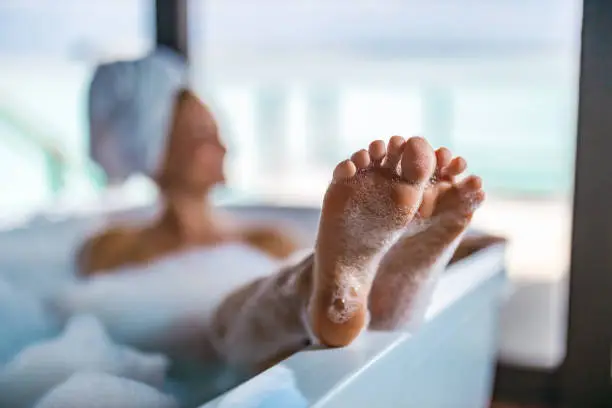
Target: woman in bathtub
370 258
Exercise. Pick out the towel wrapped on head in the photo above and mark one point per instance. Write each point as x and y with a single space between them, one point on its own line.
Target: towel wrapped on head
131 108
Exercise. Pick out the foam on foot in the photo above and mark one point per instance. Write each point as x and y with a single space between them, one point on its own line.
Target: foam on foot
399 295
445 175
461 200
370 201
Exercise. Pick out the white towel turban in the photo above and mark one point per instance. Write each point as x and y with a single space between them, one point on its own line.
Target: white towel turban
131 108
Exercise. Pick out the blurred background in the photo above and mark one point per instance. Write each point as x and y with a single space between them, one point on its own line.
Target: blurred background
305 83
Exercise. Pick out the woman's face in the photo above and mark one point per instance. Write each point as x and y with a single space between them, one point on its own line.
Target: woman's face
195 154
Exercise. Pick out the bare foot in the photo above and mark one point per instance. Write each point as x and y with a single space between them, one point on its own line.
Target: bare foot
460 200
372 198
447 170
397 296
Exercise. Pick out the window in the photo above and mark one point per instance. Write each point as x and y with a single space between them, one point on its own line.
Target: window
306 83
48 49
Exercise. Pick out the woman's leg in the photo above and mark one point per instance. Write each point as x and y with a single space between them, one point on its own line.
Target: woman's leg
262 322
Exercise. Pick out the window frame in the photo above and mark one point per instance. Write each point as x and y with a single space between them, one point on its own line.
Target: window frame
586 373
171 25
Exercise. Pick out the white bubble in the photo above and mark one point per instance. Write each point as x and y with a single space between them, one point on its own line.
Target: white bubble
84 345
99 390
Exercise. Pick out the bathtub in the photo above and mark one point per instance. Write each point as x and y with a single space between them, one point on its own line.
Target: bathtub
447 362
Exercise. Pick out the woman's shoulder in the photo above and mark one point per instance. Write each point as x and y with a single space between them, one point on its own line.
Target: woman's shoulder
102 250
113 237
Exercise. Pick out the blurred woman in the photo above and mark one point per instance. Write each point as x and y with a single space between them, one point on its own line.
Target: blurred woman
144 119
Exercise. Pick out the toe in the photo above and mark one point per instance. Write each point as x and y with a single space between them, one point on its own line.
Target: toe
470 192
443 158
394 152
361 159
344 170
462 199
473 199
471 184
455 167
418 161
377 150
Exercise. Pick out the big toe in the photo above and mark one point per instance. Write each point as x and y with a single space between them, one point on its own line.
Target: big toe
418 161
471 193
471 184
